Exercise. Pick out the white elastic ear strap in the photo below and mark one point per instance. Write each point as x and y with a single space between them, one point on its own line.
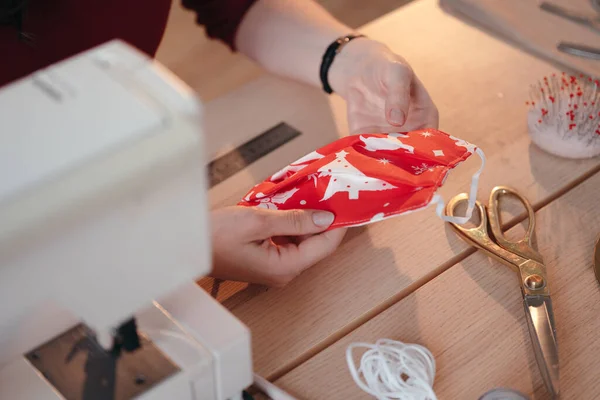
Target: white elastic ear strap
471 201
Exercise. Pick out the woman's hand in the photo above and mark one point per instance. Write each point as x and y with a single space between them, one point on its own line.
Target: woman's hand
289 38
269 247
382 92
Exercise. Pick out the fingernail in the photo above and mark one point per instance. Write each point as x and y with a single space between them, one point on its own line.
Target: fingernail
397 116
323 218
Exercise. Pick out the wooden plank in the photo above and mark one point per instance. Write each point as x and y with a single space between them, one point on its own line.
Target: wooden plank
480 85
525 25
206 65
471 318
356 13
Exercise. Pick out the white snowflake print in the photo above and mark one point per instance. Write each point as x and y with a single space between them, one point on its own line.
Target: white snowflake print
419 169
384 161
426 134
271 202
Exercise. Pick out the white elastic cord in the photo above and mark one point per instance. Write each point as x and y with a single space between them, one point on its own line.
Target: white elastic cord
393 370
471 201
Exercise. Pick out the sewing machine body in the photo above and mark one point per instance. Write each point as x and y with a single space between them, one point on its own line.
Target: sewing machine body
104 210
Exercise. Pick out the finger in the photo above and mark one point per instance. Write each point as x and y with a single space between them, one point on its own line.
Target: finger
270 223
398 83
310 251
422 101
300 239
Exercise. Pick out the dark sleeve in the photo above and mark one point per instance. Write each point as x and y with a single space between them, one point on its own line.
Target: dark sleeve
221 18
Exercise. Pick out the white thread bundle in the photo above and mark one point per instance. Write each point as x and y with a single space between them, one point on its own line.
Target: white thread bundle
392 370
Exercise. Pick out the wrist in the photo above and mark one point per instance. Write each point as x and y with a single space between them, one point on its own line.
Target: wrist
348 62
332 51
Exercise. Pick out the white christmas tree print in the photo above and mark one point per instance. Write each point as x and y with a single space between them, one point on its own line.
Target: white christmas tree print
419 169
463 143
387 143
347 178
296 166
313 177
271 202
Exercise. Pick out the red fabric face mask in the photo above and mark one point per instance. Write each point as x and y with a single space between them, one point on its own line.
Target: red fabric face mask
371 177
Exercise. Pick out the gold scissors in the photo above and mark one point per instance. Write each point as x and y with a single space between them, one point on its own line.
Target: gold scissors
521 256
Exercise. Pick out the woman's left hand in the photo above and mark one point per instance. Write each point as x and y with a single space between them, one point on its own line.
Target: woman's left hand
381 90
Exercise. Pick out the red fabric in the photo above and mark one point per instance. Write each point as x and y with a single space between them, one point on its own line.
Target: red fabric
365 178
63 28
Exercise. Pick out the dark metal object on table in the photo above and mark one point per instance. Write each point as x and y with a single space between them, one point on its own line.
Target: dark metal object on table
579 50
592 22
244 155
80 369
522 257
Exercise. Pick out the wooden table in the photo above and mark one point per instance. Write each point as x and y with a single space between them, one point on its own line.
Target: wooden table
411 278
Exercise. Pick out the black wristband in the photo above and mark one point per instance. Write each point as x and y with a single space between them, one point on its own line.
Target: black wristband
333 49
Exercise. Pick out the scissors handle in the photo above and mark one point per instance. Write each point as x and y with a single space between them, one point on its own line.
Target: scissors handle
523 247
479 236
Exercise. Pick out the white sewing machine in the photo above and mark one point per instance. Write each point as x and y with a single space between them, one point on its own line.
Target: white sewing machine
104 217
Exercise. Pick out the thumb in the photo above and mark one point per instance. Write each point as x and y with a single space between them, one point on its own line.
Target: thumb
398 83
294 222
310 251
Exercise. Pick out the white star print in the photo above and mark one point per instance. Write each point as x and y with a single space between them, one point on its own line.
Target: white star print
438 153
384 161
426 134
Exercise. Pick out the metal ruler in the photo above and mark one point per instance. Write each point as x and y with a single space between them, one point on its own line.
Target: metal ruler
236 160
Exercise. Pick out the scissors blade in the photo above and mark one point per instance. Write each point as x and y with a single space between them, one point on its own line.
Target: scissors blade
571 15
579 50
542 330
